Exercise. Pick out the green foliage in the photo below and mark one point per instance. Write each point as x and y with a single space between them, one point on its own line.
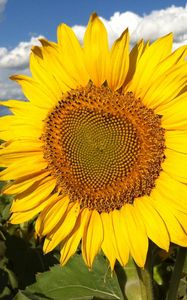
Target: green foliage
129 281
5 203
75 281
21 257
27 274
182 291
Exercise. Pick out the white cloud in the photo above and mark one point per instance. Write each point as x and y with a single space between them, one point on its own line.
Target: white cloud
151 26
2 7
14 61
119 22
115 26
19 56
161 22
79 31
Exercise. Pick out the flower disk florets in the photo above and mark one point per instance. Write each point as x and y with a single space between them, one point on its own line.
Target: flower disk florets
105 148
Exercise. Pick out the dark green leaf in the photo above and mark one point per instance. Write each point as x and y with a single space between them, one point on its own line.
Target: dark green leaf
75 281
21 295
26 261
4 280
182 290
132 286
185 266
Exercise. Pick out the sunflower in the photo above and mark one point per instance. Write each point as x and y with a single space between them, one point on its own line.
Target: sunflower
99 151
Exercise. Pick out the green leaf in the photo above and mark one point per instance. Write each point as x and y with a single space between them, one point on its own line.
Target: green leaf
183 282
21 295
185 266
26 261
129 280
182 288
2 248
132 286
5 203
75 281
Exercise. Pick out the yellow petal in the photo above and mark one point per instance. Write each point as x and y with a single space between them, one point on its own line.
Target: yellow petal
71 243
119 62
35 93
96 50
155 227
176 140
51 216
72 53
21 108
18 158
174 58
34 196
92 238
176 233
24 167
21 217
166 87
109 243
14 127
121 236
170 192
6 122
21 146
175 165
53 62
64 228
134 57
19 132
137 236
44 77
182 219
174 114
18 187
147 64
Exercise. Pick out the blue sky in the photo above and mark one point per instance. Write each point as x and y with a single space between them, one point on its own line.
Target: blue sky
25 18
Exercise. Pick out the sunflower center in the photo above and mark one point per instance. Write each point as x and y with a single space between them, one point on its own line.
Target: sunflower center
99 148
105 148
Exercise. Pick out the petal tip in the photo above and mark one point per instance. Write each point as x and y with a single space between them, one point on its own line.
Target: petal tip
37 51
13 77
93 16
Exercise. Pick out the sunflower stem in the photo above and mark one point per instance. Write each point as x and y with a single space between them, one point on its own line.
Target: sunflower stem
146 279
176 275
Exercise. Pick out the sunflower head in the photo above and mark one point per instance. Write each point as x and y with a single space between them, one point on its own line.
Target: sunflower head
98 152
